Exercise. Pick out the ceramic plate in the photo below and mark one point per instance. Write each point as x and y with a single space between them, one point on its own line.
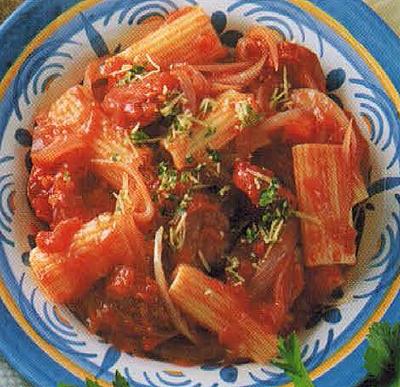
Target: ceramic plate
45 46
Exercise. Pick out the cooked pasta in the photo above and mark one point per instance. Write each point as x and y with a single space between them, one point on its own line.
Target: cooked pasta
186 38
198 199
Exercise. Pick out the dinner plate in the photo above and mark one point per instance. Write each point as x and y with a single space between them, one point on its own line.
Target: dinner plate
45 46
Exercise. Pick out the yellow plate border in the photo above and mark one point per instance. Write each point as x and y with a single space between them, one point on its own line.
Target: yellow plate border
321 15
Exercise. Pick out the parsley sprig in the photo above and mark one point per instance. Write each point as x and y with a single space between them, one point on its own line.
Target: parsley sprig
119 381
382 358
290 361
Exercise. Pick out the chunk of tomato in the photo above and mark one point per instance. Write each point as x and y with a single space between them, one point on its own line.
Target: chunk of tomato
303 66
138 101
249 179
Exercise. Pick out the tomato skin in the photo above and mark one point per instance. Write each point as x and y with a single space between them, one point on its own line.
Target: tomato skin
40 182
303 66
60 238
206 42
56 195
247 182
121 283
139 101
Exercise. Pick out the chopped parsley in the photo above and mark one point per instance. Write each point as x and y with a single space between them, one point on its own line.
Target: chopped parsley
210 131
214 155
273 220
168 177
207 105
251 233
138 137
189 159
183 122
246 114
276 211
280 94
269 195
133 74
66 176
171 105
232 270
184 204
115 157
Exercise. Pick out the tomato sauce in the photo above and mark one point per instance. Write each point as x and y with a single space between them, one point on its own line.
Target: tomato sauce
105 178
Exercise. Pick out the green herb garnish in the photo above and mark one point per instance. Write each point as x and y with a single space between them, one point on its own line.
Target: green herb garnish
207 105
133 74
382 358
138 137
171 105
210 131
280 94
232 270
290 361
214 155
184 204
269 195
251 233
276 211
119 381
116 157
246 114
66 176
189 159
168 177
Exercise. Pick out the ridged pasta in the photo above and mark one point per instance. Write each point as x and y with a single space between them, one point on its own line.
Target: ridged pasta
324 190
94 250
189 38
224 123
208 302
114 158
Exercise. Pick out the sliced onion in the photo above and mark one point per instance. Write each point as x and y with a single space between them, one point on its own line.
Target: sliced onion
176 317
263 280
193 84
186 86
244 77
320 104
217 87
222 67
262 134
266 39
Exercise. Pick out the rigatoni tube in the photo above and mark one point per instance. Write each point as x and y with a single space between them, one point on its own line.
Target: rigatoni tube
211 304
324 191
190 38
